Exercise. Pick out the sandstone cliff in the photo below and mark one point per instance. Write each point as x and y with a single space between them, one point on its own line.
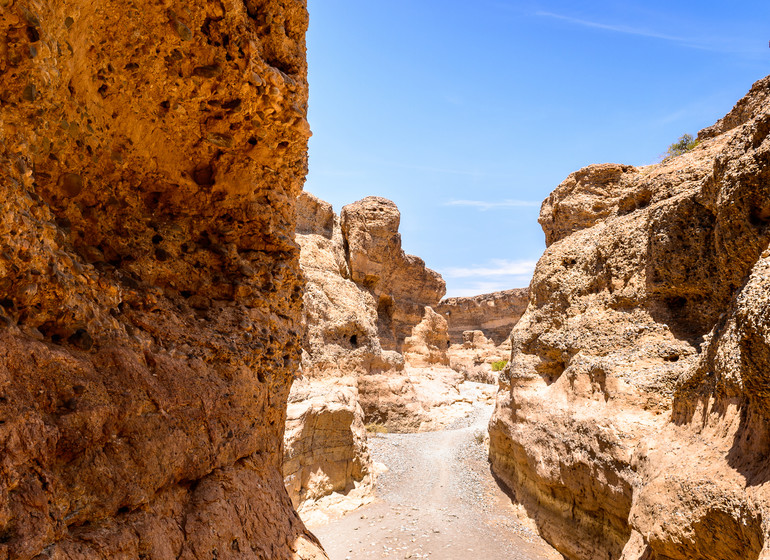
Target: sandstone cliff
632 421
325 437
401 284
150 156
493 314
365 298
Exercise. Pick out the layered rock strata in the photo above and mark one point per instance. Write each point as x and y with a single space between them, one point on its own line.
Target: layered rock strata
493 314
633 419
150 292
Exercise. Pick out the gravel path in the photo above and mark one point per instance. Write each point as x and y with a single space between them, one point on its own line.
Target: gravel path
437 500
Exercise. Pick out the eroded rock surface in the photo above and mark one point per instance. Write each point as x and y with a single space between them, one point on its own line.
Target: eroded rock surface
429 341
478 358
150 157
632 421
364 297
493 314
401 284
325 439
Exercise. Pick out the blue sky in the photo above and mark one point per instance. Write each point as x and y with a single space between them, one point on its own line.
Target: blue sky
468 114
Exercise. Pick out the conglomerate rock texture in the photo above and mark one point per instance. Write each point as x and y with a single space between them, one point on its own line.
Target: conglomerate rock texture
493 314
150 292
632 421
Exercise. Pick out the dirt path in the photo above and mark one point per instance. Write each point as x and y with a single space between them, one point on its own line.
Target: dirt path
437 500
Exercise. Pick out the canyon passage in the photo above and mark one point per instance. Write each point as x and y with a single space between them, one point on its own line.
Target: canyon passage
196 354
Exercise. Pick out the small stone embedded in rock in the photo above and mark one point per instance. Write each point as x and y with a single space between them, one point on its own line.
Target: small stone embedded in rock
208 71
71 184
221 140
29 93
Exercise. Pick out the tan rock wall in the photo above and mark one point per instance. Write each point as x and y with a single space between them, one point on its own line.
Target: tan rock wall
150 156
631 421
401 284
428 343
493 314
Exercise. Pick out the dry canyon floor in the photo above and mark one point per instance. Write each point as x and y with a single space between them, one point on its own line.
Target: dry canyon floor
438 499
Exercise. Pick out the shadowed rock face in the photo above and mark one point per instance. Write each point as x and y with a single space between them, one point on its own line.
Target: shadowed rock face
632 421
150 157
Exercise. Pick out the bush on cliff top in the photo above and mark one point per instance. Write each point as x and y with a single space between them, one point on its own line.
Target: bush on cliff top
685 143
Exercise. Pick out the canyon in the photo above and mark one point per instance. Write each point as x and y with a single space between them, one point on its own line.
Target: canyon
194 349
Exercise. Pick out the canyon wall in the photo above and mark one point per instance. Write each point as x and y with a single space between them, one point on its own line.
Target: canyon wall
632 421
375 352
493 314
401 284
150 291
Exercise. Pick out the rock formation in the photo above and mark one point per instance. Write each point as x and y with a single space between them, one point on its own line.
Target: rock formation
477 357
364 299
150 157
428 343
493 314
325 439
401 284
632 421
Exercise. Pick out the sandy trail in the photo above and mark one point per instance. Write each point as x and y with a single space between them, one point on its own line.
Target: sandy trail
437 500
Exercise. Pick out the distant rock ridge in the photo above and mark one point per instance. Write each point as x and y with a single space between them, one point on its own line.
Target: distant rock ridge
494 314
633 419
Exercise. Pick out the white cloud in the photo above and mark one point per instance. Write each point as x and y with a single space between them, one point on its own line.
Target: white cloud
711 43
484 205
497 267
616 28
478 288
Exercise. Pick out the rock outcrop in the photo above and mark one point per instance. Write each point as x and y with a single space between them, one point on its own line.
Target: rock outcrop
477 358
493 314
428 343
150 288
632 421
364 299
325 440
401 284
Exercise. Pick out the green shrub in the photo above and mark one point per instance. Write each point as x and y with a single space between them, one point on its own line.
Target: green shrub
498 366
685 143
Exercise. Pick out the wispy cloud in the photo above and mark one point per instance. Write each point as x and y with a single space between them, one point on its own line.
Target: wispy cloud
478 288
485 205
497 267
628 30
705 42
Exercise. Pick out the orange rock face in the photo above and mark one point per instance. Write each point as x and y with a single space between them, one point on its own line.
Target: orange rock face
632 421
150 296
